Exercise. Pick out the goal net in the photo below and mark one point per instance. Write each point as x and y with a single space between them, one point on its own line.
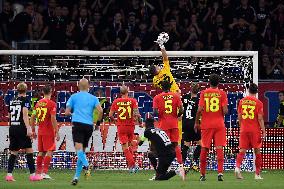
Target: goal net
109 69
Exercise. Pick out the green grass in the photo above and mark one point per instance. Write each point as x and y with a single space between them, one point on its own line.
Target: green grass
124 180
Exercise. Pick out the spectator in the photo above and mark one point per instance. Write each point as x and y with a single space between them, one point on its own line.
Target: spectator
246 12
262 13
91 40
227 45
217 39
22 24
55 30
280 117
226 10
268 34
5 17
37 23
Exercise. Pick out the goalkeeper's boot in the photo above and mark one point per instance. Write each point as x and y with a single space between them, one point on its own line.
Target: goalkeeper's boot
257 177
238 173
74 182
35 177
202 178
220 177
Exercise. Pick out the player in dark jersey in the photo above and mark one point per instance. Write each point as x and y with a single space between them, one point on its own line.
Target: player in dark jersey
20 133
164 149
190 105
280 117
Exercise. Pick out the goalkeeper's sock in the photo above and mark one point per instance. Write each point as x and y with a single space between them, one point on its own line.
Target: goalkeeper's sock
153 160
39 160
258 163
178 154
46 162
184 152
220 160
129 158
79 169
203 161
31 162
239 160
11 163
82 157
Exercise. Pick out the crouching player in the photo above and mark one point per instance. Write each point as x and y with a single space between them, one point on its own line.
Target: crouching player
250 114
45 114
127 113
165 151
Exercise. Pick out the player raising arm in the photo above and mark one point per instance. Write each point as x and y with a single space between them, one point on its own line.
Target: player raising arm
250 114
45 113
213 105
127 113
161 74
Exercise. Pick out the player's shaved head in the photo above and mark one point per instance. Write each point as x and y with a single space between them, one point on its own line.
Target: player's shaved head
123 90
22 88
84 84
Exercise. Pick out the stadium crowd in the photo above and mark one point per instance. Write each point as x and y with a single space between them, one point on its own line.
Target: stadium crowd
195 25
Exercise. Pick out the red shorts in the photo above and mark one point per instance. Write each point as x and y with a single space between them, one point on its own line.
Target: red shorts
125 134
216 134
46 143
173 134
250 140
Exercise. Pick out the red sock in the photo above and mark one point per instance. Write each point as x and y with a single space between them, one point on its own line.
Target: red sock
258 163
129 157
220 160
178 154
203 161
240 158
46 162
39 164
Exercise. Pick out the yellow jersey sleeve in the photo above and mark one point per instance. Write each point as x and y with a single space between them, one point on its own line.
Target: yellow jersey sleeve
167 65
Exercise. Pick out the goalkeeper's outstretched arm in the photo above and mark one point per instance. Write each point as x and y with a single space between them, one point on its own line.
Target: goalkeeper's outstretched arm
164 54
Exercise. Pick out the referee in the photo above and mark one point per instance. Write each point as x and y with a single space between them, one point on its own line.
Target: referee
81 106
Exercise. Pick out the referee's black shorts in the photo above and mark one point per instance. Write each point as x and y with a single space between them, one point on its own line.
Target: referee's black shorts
18 138
82 133
188 132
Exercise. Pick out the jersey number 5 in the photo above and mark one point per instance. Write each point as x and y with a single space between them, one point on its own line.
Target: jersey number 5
212 105
169 106
248 114
41 113
123 110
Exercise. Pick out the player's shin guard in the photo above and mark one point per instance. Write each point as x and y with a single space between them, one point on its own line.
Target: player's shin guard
178 154
79 168
258 163
129 158
196 153
31 162
11 163
203 161
39 161
220 160
46 162
82 157
239 160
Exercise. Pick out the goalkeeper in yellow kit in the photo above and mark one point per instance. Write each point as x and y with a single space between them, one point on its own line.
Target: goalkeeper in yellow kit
161 74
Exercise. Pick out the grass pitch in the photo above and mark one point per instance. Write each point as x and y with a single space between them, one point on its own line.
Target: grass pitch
123 180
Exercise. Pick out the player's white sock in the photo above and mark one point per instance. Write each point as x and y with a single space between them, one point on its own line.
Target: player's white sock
9 174
237 170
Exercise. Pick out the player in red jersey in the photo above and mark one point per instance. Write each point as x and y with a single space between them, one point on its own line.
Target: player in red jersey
250 114
213 105
45 114
168 106
127 114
